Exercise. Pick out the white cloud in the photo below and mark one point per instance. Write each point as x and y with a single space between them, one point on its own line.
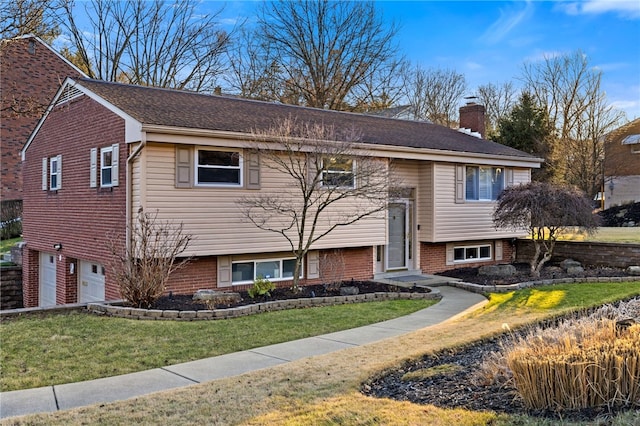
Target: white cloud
509 19
629 9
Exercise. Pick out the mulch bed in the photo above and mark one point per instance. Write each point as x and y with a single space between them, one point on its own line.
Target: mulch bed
186 302
459 389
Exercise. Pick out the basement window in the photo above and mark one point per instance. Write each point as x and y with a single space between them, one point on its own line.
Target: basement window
471 253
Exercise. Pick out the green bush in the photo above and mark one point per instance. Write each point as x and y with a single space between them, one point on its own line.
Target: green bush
261 287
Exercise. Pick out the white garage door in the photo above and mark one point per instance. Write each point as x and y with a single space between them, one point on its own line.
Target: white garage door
47 280
91 288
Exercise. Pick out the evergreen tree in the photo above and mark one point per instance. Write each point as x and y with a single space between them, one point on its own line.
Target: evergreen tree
528 129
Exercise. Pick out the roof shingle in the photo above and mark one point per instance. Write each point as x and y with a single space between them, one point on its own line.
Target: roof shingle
174 108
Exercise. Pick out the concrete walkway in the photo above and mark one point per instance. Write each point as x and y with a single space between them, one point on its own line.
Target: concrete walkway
454 303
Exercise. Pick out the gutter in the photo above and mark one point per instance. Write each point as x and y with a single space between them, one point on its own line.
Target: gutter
129 188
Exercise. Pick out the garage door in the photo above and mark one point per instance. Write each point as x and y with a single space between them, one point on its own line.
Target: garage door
47 280
91 288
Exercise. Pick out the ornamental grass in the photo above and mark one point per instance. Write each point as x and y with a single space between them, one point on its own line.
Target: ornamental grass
581 363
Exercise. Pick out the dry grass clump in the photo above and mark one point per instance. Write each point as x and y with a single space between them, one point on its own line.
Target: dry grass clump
584 362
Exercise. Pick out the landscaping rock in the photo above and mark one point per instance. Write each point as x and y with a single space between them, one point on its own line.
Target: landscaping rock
498 270
633 270
570 263
573 270
214 297
349 291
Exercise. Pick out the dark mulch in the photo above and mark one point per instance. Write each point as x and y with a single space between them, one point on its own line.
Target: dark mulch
460 389
186 302
470 275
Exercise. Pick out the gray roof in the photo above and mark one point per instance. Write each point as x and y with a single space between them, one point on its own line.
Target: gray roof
174 108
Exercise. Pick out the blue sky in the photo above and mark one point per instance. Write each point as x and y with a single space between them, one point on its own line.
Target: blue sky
489 41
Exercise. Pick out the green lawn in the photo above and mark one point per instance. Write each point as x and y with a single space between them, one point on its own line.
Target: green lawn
64 348
5 245
607 235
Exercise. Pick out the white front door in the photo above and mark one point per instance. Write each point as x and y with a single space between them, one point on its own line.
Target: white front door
91 286
47 285
398 226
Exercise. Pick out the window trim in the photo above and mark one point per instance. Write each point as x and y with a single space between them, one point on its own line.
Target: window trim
339 172
255 261
56 174
473 260
240 168
493 197
104 151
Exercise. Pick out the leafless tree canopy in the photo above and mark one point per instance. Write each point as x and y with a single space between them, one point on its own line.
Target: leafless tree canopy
315 53
546 211
570 90
435 94
308 209
153 43
21 17
498 101
142 267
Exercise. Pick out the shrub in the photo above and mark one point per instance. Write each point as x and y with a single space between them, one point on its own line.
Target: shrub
261 287
581 363
10 219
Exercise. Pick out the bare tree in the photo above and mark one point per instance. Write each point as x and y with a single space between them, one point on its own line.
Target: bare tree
143 266
330 184
546 211
498 101
153 43
434 94
22 17
320 52
570 90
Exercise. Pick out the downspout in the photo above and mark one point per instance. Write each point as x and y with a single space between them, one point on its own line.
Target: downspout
129 197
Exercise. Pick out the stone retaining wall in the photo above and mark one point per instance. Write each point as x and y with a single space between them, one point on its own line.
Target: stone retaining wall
11 287
276 305
588 253
478 288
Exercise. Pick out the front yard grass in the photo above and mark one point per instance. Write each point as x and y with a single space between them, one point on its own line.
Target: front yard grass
607 235
64 348
323 390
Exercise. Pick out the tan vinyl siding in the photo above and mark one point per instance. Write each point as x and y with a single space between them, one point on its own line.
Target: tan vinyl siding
212 216
425 204
521 176
406 173
460 222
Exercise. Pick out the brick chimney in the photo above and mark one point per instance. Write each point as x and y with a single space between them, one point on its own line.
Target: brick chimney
472 117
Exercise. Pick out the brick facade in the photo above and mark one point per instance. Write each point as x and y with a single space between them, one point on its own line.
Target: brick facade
30 74
433 257
78 217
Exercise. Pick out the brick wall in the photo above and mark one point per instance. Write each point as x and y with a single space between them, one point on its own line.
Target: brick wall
80 218
30 74
11 287
201 273
31 271
433 257
595 254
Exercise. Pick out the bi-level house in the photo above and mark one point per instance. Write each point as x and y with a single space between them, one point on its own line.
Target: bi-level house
622 165
104 150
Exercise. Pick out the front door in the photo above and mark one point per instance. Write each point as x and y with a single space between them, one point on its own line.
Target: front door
398 247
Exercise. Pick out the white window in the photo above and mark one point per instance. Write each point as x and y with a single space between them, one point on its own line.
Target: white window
55 173
472 253
483 183
106 166
109 159
245 272
337 172
219 168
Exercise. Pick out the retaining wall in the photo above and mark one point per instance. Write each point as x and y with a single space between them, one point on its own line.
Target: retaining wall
588 253
11 287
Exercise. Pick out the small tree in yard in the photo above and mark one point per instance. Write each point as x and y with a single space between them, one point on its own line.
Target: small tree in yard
546 211
143 267
329 184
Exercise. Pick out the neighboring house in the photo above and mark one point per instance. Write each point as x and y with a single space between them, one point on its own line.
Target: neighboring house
622 165
104 150
30 74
